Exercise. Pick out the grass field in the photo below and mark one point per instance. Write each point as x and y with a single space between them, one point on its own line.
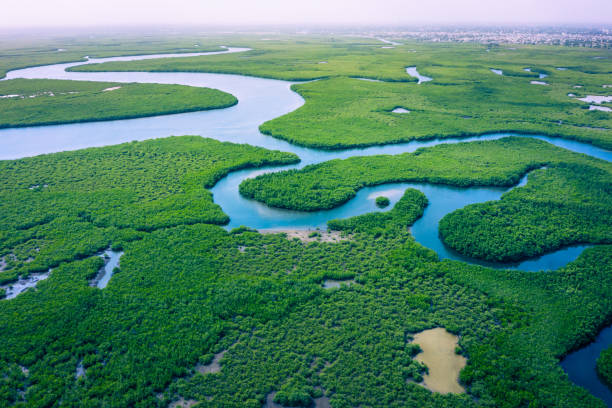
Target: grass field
21 50
35 102
465 97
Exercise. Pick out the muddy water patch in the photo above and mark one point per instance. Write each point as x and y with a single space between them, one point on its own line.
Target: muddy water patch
443 363
15 288
213 367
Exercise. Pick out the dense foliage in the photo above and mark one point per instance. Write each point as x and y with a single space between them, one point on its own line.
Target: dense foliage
566 204
382 202
561 205
465 97
187 290
344 112
47 101
405 212
604 366
58 207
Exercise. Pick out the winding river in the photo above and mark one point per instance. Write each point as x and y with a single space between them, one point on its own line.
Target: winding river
261 100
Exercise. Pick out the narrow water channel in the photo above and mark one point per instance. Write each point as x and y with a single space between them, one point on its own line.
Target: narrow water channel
261 100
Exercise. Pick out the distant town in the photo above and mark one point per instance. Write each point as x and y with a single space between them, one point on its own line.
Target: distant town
568 36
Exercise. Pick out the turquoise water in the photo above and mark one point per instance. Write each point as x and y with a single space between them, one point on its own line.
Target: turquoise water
264 99
261 100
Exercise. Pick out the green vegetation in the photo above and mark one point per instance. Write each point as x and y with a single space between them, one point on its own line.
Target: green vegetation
290 58
344 112
568 203
59 207
187 289
604 366
46 102
27 50
562 205
464 98
407 210
382 202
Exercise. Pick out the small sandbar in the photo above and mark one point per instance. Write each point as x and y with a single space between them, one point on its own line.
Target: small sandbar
213 367
400 110
607 86
322 62
600 108
15 288
387 47
309 235
114 88
10 96
497 71
561 69
598 99
336 284
439 356
538 83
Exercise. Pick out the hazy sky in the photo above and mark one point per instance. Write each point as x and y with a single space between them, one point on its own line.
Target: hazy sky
39 13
